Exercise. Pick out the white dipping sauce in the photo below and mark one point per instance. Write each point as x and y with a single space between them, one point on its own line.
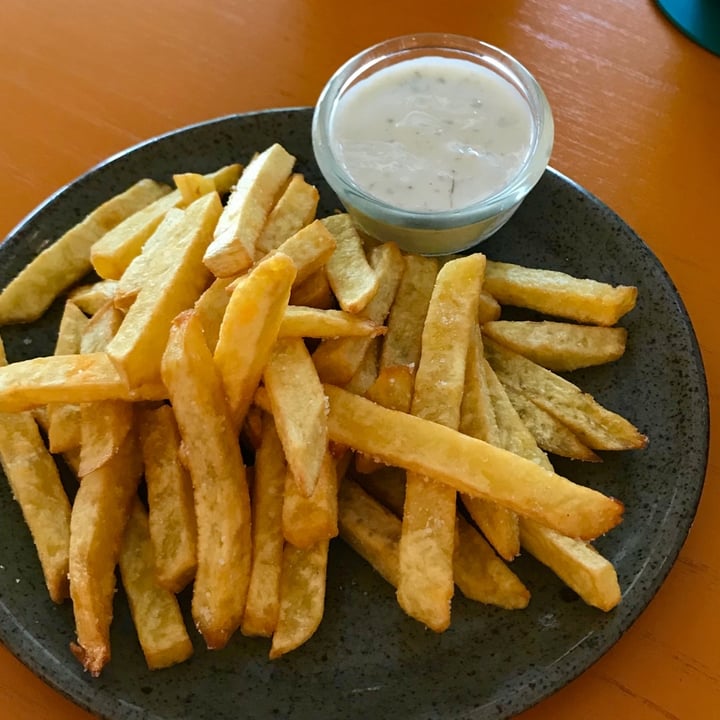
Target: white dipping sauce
432 133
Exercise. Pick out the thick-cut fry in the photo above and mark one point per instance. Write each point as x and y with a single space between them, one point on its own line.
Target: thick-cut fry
249 329
401 347
575 562
299 408
314 292
36 486
158 253
193 186
549 433
67 379
309 249
337 360
63 263
222 501
138 345
97 524
314 323
498 524
293 211
559 346
366 374
556 293
481 575
263 598
374 533
90 298
171 512
308 520
155 610
598 427
63 421
232 249
351 277
302 596
116 250
370 529
210 307
103 424
578 564
427 542
469 465
488 308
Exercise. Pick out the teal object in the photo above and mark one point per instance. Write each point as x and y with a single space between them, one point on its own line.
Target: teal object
698 19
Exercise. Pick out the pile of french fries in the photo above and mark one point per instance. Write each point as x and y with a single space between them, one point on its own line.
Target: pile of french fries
245 382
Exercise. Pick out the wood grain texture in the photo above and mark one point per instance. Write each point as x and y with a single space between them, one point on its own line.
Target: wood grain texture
637 110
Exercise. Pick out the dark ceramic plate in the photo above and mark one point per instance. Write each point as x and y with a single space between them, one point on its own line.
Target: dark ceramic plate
367 659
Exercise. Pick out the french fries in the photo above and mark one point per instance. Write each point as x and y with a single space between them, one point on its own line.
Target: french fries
469 465
197 359
97 523
427 543
222 502
232 249
299 408
155 610
66 261
36 485
558 294
559 346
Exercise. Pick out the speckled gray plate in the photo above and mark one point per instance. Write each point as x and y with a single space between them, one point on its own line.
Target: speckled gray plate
367 659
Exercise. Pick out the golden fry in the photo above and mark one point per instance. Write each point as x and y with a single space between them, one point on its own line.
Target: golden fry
469 465
315 323
155 610
299 408
97 524
351 277
263 598
171 512
559 346
556 293
302 596
232 249
63 263
293 211
249 329
222 501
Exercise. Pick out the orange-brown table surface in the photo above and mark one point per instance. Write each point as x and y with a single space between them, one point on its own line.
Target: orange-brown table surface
637 110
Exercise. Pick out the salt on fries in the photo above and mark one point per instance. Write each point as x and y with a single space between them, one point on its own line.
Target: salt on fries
212 331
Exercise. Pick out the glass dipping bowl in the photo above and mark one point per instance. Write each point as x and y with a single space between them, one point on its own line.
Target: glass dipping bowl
432 232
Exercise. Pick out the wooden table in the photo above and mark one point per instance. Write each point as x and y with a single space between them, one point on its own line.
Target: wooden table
637 110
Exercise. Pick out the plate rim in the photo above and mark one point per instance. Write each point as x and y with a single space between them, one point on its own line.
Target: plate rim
12 632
